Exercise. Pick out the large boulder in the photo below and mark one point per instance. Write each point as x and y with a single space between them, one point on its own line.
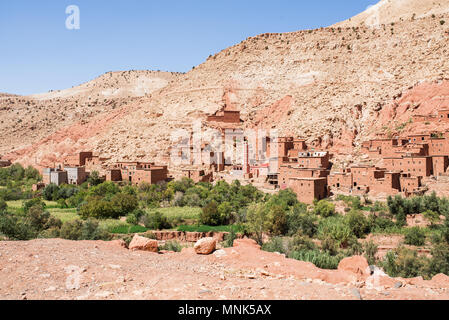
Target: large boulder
205 246
357 265
143 244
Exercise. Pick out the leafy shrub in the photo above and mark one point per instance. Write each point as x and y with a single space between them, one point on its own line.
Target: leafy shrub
171 246
370 249
335 228
229 238
98 208
94 178
50 192
324 208
415 236
40 220
3 205
36 202
299 220
83 230
210 215
403 262
155 221
276 244
15 228
358 224
257 220
432 216
439 263
277 220
319 258
123 204
71 230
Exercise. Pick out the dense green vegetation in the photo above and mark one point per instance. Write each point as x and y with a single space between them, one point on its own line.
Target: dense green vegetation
316 233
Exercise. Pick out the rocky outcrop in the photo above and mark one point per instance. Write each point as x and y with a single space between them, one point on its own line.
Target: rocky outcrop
205 246
357 265
143 244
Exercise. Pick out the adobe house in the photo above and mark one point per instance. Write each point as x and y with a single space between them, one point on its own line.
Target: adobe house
283 145
309 189
78 160
416 166
416 138
314 160
410 184
440 165
76 175
197 175
389 183
58 177
227 115
152 175
341 180
439 146
114 175
365 176
291 171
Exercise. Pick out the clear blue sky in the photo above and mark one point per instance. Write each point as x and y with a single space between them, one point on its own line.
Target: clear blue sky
38 53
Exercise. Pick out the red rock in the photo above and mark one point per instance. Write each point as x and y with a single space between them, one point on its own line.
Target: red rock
441 280
205 246
246 243
143 244
357 264
119 243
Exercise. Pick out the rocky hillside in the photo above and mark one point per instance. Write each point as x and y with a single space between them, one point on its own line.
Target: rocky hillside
326 85
390 11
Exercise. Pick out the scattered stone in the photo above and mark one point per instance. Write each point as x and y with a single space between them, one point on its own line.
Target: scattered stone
356 293
398 285
220 253
205 246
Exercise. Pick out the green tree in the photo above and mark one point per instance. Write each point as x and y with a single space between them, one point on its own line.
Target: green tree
210 215
94 179
278 220
123 204
257 220
324 208
415 236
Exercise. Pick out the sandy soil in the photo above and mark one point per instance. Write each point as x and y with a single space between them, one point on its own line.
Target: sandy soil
91 270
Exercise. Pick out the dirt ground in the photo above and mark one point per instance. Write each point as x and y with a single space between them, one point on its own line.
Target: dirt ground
96 270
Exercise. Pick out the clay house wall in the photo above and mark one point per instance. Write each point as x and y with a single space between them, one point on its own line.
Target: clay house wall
365 175
78 160
58 177
151 176
410 184
198 175
340 180
416 166
309 189
46 175
440 165
114 175
76 175
439 147
389 184
314 160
